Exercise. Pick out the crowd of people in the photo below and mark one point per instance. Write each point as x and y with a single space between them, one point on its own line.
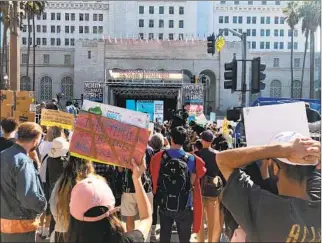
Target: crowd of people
190 180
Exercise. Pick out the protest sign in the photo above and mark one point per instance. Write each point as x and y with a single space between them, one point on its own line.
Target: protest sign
126 116
262 123
212 116
93 91
5 111
7 97
108 141
24 100
61 119
192 94
24 116
151 129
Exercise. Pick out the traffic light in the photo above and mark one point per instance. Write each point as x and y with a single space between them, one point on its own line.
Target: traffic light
194 79
230 75
211 44
257 76
203 79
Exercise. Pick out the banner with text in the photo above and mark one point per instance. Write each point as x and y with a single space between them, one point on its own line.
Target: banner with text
126 116
93 91
53 118
193 94
108 141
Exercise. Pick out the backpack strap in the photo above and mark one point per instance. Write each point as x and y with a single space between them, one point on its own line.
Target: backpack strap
185 158
45 157
165 157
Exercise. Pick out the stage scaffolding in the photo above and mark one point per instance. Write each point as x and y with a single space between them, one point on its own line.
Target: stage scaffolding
152 89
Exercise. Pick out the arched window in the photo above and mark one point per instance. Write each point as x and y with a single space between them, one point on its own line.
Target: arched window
67 87
25 83
297 89
46 88
276 89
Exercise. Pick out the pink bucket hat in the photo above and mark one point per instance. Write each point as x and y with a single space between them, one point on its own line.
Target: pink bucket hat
89 193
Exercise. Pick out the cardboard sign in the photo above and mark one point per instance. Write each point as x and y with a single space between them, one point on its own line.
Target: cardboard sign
126 116
193 94
23 116
108 141
262 123
5 111
93 91
53 118
7 97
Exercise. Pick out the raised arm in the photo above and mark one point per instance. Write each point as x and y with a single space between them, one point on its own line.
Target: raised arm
299 151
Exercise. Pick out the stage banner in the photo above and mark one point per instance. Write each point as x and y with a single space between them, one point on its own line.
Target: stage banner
108 141
93 91
192 94
158 111
53 118
126 116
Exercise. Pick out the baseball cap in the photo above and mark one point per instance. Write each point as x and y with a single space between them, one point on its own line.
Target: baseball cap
89 193
207 136
286 137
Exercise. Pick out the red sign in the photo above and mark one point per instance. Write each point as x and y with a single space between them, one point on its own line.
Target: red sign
108 141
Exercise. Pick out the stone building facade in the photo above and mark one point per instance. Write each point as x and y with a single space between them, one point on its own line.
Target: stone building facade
66 69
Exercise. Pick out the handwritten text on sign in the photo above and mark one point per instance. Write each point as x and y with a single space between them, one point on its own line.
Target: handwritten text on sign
108 141
53 118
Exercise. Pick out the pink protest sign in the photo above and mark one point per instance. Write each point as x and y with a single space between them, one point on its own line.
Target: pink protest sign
108 141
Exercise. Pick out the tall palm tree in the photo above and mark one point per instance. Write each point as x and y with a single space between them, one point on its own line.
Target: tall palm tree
291 13
33 8
310 12
315 14
39 8
28 11
5 19
304 13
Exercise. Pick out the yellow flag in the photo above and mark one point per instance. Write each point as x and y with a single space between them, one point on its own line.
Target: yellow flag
225 124
220 43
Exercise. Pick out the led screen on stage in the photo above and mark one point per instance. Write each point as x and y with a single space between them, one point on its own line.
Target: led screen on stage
131 105
146 106
154 108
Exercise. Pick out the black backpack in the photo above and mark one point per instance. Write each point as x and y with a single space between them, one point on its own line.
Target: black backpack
173 183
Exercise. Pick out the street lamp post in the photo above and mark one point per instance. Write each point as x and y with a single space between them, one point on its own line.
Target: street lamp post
6 83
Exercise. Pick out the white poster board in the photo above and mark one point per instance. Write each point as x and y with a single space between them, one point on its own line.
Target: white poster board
212 116
126 116
151 129
262 123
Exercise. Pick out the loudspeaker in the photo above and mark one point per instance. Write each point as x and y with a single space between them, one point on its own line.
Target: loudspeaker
233 115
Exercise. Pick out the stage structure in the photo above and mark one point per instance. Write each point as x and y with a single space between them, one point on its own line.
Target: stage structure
124 85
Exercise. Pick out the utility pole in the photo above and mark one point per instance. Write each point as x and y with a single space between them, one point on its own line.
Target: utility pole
244 85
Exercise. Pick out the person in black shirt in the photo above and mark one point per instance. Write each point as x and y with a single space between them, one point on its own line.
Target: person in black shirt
290 216
212 184
9 128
